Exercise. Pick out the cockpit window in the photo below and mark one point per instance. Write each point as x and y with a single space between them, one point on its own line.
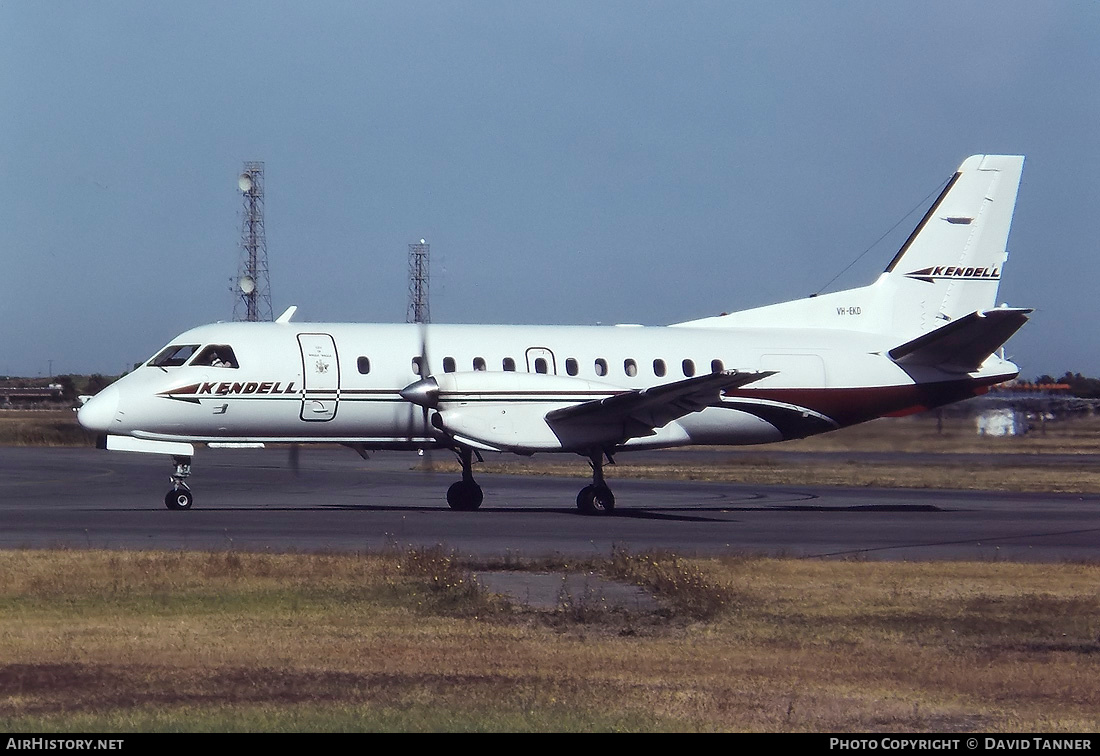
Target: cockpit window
216 355
174 356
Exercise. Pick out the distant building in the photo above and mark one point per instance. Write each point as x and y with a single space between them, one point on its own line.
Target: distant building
24 396
1001 422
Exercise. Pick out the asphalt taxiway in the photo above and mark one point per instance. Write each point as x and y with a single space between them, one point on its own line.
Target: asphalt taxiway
334 501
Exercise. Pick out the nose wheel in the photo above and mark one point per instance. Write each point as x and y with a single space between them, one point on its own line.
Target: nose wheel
180 496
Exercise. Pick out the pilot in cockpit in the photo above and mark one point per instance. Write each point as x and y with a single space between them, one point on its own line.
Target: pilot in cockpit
216 356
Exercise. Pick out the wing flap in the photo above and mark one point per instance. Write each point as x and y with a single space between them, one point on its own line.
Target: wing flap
633 414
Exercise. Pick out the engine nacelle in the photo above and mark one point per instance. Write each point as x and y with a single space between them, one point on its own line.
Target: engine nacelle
507 411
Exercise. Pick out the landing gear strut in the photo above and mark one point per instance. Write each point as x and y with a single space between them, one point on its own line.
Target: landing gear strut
597 498
465 495
180 495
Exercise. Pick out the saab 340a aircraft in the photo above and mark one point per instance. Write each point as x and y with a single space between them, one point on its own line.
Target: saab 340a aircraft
924 334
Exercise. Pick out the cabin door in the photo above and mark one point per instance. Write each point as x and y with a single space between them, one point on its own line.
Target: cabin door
320 377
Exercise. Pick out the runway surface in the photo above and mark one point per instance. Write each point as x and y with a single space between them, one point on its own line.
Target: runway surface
252 499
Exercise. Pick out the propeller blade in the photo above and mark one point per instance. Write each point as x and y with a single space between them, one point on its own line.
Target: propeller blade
413 392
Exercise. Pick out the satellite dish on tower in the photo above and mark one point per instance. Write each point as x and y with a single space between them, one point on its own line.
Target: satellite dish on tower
247 284
245 182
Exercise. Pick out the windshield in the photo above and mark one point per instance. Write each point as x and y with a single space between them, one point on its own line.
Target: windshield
216 355
174 356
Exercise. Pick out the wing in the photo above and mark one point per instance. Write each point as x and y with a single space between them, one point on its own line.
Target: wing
633 414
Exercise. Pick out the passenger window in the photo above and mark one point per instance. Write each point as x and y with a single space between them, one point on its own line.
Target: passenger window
601 366
716 366
417 367
571 366
216 355
479 364
659 368
689 368
540 365
363 363
173 356
509 364
448 364
630 367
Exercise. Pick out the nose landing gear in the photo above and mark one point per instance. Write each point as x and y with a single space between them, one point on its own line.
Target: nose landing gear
180 496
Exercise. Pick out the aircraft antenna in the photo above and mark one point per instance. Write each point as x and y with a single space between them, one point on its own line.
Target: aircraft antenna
922 203
419 279
252 289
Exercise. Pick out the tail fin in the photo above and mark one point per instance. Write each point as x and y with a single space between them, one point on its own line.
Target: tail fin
949 267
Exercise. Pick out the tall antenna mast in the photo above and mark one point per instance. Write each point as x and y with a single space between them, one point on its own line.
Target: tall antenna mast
419 278
252 287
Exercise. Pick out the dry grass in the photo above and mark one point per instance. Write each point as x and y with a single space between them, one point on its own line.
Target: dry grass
955 434
52 427
405 641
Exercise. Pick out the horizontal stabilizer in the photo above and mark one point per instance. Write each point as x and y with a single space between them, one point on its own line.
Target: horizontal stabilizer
638 413
964 344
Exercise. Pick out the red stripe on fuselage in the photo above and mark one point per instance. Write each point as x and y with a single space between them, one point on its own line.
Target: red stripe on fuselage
848 406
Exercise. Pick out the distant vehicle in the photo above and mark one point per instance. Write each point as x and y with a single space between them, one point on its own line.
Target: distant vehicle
924 334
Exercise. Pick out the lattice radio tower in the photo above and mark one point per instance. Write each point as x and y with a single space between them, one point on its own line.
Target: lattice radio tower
252 287
419 278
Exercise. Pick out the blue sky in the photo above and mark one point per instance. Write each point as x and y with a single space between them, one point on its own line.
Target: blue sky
569 162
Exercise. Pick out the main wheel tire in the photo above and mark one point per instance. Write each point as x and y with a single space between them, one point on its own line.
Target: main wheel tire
178 499
596 500
465 496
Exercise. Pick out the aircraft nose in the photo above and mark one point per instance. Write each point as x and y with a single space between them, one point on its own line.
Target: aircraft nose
98 413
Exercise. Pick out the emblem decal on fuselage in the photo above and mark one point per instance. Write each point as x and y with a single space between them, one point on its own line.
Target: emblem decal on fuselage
192 392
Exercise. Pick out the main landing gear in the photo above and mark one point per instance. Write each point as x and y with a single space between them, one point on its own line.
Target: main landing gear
180 495
596 499
465 495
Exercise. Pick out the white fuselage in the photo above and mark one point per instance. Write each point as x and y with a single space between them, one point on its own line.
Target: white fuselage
325 382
